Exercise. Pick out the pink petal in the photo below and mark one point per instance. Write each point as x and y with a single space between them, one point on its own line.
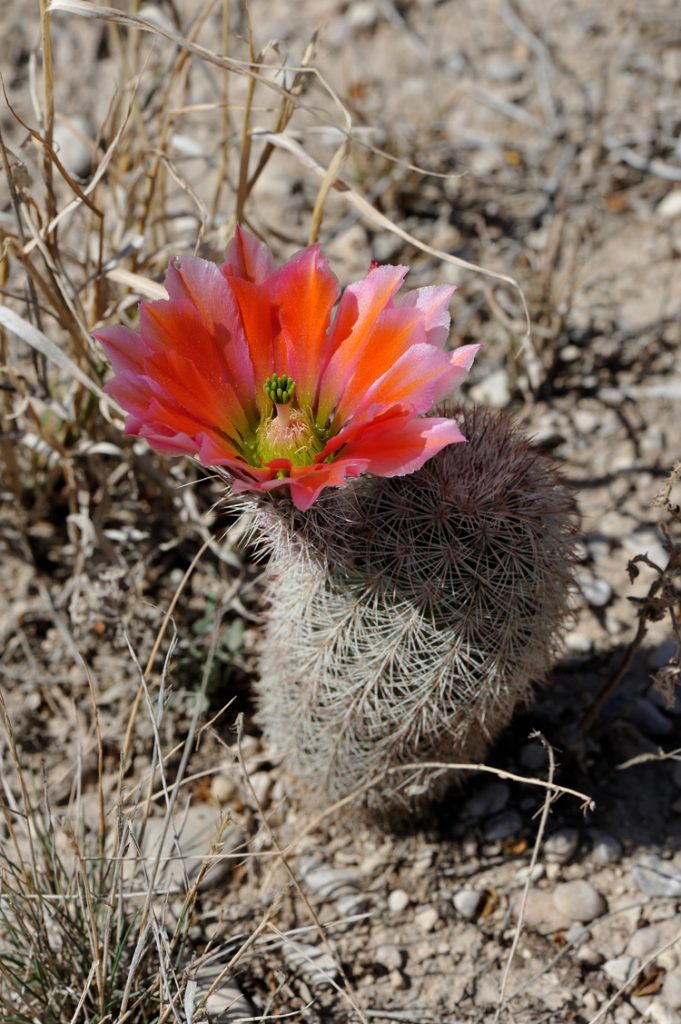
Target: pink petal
399 445
351 332
248 258
433 301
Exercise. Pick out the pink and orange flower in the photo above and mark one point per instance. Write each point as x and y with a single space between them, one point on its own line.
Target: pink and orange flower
245 366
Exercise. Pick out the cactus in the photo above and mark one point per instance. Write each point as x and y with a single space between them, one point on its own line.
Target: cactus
409 616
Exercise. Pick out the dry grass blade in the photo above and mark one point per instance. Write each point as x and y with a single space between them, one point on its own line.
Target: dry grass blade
42 344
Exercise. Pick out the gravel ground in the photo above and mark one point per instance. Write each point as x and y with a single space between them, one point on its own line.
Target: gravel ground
552 130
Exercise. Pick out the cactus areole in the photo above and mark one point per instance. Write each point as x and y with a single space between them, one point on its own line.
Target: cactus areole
273 375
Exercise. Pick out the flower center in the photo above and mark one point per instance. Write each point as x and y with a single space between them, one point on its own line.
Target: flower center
289 433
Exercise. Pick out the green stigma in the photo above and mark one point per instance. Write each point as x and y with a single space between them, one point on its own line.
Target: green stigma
279 388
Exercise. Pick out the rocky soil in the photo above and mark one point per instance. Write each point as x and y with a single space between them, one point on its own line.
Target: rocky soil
552 131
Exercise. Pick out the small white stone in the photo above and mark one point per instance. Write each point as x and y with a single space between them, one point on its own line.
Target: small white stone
605 848
328 883
398 981
561 846
426 919
659 1013
349 905
467 903
577 642
590 1001
390 957
362 14
587 954
579 901
671 991
398 900
644 941
262 787
596 592
670 206
622 968
223 789
537 872
494 390
315 964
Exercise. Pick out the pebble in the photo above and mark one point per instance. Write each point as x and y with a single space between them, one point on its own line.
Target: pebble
596 592
577 642
229 1004
316 965
467 903
657 877
540 912
501 69
426 919
362 14
661 1014
599 549
605 849
644 941
398 900
491 798
503 825
390 957
671 991
586 421
579 901
588 954
561 846
590 1001
494 390
670 206
223 790
398 980
72 146
535 873
532 756
328 883
622 968
348 906
262 788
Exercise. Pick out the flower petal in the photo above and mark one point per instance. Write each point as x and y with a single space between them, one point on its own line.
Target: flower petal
351 332
200 320
304 292
248 258
261 327
420 378
397 445
395 334
433 301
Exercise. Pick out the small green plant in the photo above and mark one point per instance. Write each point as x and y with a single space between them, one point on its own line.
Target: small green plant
409 616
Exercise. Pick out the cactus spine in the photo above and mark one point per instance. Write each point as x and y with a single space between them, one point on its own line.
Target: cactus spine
409 616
